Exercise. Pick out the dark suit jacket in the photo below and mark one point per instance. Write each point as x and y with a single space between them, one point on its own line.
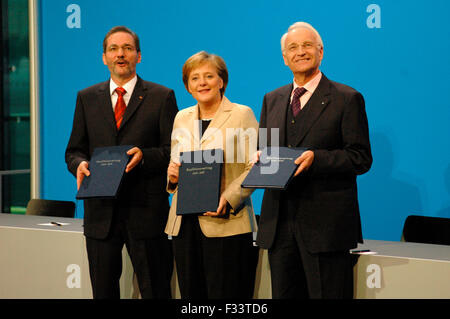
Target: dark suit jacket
337 131
147 124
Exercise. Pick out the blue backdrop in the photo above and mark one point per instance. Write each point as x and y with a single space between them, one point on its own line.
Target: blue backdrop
394 52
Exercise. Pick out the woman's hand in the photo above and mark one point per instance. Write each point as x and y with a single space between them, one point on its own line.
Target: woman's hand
173 171
221 209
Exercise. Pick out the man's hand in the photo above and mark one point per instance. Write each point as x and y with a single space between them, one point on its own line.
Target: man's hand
136 158
221 209
173 171
82 170
305 160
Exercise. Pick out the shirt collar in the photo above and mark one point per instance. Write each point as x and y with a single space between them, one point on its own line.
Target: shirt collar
129 86
311 85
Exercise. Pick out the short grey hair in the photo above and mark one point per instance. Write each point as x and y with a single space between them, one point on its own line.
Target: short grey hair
299 25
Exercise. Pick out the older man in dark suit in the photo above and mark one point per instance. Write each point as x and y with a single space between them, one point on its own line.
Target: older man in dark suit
309 228
126 110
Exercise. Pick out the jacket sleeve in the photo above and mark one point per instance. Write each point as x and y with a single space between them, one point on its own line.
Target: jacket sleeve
355 155
234 193
157 158
77 149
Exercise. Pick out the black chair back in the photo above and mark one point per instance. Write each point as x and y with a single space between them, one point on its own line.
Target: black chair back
56 208
427 230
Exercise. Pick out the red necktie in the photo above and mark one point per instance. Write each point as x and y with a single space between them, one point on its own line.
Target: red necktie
119 110
295 104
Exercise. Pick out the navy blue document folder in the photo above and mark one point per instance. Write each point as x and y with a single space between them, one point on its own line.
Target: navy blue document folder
275 168
199 181
107 166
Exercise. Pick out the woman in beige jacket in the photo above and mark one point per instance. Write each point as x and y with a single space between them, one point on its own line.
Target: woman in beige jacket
214 252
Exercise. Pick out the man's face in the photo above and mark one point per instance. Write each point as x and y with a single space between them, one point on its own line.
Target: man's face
302 52
121 56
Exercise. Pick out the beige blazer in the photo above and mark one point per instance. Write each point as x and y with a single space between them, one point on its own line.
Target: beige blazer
234 129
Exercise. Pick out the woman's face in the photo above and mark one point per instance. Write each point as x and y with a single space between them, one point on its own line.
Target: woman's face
204 83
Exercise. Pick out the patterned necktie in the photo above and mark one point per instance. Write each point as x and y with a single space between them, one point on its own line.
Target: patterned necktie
119 110
295 104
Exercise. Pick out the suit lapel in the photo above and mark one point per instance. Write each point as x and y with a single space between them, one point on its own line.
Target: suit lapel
195 122
221 116
279 115
314 108
104 102
136 99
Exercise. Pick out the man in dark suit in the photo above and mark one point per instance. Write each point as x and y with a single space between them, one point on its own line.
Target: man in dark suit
126 110
309 228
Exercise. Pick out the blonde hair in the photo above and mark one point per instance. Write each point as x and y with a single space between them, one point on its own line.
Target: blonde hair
299 25
203 57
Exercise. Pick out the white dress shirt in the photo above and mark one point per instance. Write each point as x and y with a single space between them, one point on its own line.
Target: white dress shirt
129 87
310 88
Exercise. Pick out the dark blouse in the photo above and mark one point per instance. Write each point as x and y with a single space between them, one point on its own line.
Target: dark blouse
204 126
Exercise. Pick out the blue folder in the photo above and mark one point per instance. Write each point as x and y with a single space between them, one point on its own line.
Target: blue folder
199 181
275 168
107 167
